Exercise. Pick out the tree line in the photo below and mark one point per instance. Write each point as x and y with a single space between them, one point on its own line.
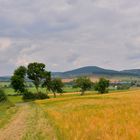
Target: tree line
40 77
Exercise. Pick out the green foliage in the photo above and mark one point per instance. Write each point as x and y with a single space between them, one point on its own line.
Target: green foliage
84 83
20 71
56 86
35 73
39 76
18 79
3 96
102 85
18 83
33 96
28 95
41 96
47 80
123 87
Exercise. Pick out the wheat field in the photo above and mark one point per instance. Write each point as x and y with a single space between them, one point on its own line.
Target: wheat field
113 116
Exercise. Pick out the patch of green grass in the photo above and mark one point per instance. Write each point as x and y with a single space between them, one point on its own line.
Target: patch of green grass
67 89
7 110
9 91
15 99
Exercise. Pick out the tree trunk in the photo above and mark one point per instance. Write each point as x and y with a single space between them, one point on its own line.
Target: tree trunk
46 91
82 92
37 89
54 94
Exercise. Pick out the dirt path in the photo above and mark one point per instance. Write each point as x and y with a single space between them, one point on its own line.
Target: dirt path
16 128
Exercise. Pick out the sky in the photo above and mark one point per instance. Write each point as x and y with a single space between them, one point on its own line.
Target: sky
68 34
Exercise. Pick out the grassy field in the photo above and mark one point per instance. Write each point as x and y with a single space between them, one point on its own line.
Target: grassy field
113 116
110 117
7 111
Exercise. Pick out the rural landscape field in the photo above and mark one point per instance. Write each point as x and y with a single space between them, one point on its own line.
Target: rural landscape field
69 70
113 116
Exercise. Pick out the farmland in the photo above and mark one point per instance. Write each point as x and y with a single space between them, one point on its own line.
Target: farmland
71 116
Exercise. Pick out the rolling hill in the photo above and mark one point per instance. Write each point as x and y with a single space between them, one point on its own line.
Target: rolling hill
89 71
94 70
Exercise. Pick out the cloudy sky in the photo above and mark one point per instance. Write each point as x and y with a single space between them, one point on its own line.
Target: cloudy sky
67 34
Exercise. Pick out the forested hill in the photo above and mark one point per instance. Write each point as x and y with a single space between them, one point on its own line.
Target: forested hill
89 71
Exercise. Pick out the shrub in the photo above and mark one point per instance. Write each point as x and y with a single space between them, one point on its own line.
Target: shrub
33 96
123 87
41 95
28 95
3 96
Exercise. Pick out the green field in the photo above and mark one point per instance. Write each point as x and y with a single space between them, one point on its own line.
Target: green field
7 110
9 91
113 116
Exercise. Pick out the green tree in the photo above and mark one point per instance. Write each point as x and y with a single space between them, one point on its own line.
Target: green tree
47 81
84 83
18 79
102 85
21 71
35 73
56 86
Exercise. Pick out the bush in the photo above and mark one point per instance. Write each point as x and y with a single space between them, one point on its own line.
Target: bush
34 96
41 95
3 96
123 87
28 95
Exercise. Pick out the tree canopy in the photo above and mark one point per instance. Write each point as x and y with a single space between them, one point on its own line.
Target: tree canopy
35 73
18 79
84 83
56 86
102 85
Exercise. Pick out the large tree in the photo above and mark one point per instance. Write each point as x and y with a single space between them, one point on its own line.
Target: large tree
47 81
56 86
84 83
18 79
21 71
35 73
102 85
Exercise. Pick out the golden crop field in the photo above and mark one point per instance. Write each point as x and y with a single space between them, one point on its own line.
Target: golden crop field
113 116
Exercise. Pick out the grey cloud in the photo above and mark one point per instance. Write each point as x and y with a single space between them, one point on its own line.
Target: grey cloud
67 34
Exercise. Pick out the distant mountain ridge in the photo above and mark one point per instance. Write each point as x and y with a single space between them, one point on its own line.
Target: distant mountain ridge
132 71
94 70
5 78
89 71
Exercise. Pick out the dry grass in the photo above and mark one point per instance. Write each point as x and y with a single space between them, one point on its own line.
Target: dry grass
113 116
38 126
16 127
